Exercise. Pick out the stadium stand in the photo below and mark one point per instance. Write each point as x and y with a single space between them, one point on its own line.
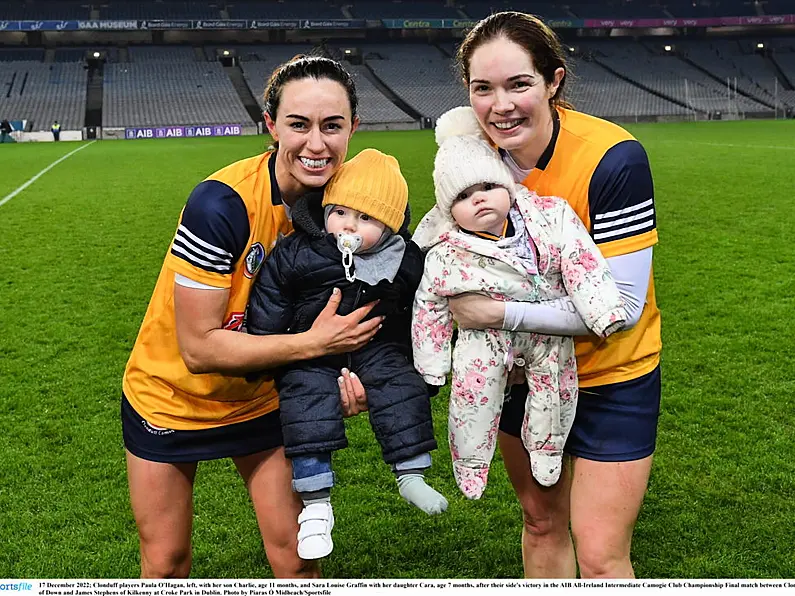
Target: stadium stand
421 75
69 54
170 9
596 91
293 9
706 9
751 73
671 77
374 107
43 9
778 7
410 9
478 9
42 93
166 54
21 54
262 60
400 82
784 58
170 93
617 11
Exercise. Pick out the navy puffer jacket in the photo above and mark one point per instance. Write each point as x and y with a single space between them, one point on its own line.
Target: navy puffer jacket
294 285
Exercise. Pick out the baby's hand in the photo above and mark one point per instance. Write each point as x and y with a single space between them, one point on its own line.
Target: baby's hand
352 395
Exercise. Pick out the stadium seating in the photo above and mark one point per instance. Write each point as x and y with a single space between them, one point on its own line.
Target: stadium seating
478 9
170 9
13 10
262 60
594 90
374 106
778 7
170 93
161 54
43 92
69 54
617 10
420 74
409 9
292 9
786 61
749 72
713 8
21 54
670 76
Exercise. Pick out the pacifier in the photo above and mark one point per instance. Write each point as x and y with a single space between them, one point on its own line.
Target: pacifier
348 244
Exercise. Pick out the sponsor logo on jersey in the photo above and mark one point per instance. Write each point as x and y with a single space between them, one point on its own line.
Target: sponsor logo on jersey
234 321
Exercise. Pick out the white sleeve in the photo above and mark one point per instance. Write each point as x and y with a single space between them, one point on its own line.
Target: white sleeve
631 273
187 282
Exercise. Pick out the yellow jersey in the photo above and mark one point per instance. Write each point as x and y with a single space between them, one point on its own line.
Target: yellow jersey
604 174
230 222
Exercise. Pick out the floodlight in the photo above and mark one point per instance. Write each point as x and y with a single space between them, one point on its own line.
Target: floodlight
348 52
226 52
668 48
760 46
96 54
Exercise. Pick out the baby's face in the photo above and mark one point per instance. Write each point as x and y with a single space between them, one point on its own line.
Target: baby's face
482 208
344 220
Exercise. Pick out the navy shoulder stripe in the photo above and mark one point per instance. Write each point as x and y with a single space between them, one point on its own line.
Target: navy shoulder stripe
214 229
621 194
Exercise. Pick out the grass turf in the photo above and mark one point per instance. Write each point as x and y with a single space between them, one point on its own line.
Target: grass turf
80 250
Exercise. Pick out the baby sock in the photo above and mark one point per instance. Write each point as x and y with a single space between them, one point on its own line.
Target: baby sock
413 488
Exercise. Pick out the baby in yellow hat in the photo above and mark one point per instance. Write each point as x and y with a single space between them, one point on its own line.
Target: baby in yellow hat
354 239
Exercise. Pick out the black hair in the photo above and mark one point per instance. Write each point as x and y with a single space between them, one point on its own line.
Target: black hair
306 67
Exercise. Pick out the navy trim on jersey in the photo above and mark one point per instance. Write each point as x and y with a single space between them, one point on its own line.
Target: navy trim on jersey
546 156
214 229
276 193
621 194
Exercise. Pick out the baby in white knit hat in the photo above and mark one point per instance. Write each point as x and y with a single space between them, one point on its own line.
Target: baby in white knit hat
488 234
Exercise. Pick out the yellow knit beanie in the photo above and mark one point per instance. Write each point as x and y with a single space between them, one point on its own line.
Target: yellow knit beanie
371 183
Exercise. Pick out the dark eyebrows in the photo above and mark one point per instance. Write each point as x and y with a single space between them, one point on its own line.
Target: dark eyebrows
305 119
522 75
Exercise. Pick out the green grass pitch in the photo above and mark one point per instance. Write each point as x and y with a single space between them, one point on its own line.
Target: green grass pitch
80 250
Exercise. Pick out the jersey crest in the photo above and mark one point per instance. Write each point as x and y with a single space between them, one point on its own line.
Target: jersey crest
254 260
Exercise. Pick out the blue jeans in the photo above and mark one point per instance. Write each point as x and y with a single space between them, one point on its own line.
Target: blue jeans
313 472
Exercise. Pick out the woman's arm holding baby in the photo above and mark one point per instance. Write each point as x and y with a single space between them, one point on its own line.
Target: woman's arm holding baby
631 273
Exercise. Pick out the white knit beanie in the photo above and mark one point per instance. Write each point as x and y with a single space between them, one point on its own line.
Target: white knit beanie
464 158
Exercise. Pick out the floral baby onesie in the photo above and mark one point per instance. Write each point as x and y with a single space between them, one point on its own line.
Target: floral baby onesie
567 263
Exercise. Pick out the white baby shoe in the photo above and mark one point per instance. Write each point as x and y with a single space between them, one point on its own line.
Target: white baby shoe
314 534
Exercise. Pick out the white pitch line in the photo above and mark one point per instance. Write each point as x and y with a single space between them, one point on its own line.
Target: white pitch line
8 197
735 145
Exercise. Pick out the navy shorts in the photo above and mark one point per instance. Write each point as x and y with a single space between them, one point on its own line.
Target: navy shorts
166 445
615 422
